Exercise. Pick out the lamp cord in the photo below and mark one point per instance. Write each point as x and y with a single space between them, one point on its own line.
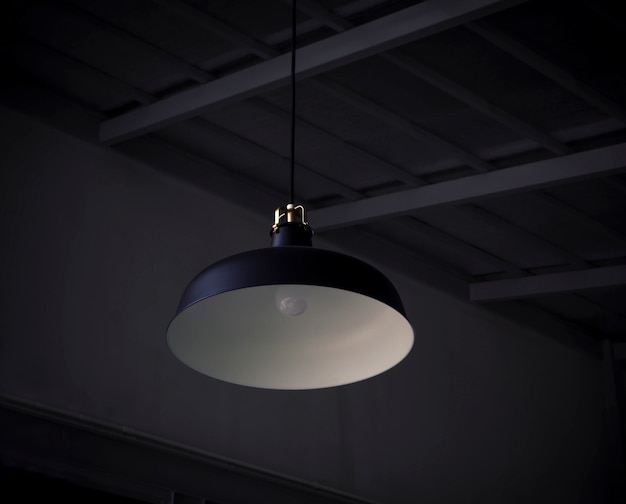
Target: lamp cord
293 99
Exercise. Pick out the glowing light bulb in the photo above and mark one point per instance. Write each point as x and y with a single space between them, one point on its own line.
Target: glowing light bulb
292 306
291 301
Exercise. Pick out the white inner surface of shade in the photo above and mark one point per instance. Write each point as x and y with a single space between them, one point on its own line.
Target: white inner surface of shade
242 337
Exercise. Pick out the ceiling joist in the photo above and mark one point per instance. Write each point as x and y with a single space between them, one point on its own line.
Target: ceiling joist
532 176
554 283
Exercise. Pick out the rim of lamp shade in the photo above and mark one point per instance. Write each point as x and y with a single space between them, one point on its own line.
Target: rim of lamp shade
229 324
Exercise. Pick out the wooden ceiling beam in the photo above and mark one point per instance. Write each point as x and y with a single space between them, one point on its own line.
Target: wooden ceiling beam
533 176
553 283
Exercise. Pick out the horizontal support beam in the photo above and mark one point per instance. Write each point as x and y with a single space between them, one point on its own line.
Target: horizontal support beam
554 283
402 27
541 174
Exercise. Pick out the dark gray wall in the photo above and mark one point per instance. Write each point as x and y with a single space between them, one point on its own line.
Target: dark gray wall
96 250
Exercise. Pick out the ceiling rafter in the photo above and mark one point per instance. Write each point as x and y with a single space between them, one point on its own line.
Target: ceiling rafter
528 177
552 283
383 34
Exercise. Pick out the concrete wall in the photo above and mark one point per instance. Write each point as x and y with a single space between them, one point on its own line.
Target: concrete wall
96 250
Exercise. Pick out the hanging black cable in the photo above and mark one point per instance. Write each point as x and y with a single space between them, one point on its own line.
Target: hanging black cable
293 100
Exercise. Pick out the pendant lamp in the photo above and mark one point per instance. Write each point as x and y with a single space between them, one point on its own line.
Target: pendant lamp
290 316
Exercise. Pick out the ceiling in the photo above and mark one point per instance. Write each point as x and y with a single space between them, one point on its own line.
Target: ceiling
480 143
478 146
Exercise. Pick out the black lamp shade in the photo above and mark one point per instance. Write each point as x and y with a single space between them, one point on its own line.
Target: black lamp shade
290 317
